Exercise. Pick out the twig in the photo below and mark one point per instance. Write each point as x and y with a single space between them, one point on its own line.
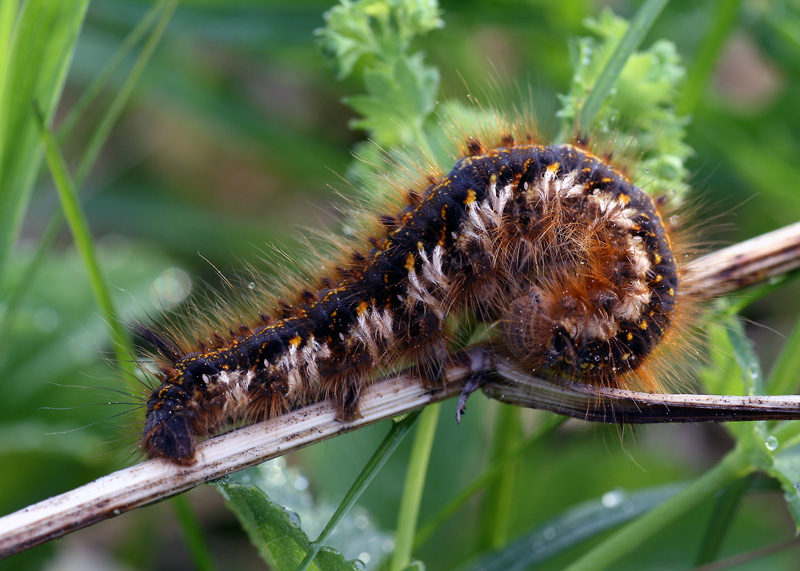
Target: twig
744 264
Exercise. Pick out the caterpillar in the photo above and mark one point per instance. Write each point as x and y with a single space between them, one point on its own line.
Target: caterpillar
572 262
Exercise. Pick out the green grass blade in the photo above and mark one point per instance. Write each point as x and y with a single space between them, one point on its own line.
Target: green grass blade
640 25
102 79
382 453
702 66
499 500
79 227
721 519
97 140
41 49
415 483
495 469
8 17
193 535
118 104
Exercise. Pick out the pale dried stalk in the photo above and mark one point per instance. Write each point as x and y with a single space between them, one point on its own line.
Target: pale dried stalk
749 262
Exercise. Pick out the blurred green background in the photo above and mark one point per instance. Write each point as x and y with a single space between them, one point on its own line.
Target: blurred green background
236 138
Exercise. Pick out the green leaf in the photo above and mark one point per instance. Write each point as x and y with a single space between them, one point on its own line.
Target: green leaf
631 95
786 469
398 100
574 526
274 532
366 31
375 35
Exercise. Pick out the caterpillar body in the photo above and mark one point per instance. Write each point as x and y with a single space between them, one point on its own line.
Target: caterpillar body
571 259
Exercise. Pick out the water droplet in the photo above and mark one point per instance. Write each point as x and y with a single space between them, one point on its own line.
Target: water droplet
612 499
647 169
252 285
294 517
361 562
771 443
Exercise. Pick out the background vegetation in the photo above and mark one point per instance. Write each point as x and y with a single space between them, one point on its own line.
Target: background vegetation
229 141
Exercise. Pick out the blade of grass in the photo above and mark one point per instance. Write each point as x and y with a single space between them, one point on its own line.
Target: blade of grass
393 439
703 63
575 525
193 535
43 41
103 78
79 227
412 491
109 120
8 17
640 25
97 140
721 520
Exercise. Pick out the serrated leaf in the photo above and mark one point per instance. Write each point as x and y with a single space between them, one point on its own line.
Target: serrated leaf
746 358
279 540
398 100
786 469
369 31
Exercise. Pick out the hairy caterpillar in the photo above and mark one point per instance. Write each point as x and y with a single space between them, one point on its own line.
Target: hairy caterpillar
570 258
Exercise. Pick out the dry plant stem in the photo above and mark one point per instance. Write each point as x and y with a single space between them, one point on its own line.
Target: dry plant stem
154 480
746 263
724 271
617 406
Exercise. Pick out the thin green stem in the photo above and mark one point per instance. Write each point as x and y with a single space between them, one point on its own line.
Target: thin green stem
499 501
721 24
101 81
193 535
110 119
393 439
415 483
79 227
640 25
492 473
735 465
